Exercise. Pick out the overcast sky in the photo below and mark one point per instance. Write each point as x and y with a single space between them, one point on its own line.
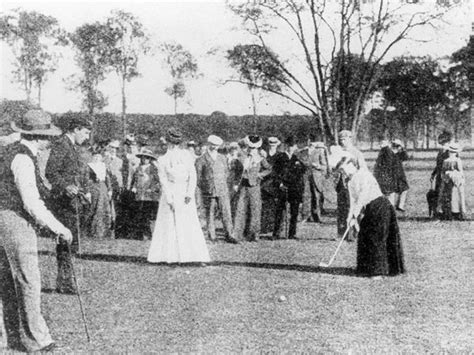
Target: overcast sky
199 26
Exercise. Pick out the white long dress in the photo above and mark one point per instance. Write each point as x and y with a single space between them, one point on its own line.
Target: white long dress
177 237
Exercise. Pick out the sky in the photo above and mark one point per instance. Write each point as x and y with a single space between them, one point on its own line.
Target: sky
199 26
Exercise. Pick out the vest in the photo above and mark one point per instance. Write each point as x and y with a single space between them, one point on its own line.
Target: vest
10 198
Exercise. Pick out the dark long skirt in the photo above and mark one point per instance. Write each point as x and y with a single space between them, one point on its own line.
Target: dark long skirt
379 249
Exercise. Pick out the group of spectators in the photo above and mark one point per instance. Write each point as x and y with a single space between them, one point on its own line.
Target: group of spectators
110 190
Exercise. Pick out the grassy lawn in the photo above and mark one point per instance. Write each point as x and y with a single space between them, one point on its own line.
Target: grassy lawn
235 305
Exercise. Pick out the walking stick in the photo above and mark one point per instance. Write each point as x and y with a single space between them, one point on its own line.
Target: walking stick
83 313
323 264
286 214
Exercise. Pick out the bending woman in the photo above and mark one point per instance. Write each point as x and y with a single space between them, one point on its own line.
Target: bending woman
379 249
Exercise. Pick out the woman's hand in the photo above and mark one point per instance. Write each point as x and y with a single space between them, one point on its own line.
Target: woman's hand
187 200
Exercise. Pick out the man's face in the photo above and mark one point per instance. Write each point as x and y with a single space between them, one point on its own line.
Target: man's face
345 142
81 135
292 148
212 147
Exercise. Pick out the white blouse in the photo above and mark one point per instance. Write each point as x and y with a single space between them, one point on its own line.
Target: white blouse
363 189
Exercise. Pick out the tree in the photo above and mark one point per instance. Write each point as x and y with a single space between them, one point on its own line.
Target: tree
128 44
92 42
368 29
414 87
182 65
32 36
258 69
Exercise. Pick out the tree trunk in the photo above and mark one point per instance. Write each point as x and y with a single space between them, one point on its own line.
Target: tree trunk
124 109
39 93
254 110
175 104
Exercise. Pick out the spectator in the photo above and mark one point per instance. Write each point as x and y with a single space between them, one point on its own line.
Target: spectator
65 172
288 172
451 200
444 139
249 201
269 192
390 174
212 180
146 188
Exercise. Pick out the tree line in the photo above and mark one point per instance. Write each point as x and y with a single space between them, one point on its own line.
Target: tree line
333 83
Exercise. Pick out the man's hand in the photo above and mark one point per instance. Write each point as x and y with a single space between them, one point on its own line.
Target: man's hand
72 190
353 223
65 235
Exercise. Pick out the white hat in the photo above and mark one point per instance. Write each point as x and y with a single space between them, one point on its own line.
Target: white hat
114 144
215 140
273 141
454 147
253 141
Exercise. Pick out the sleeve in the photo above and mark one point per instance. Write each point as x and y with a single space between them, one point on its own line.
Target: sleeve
164 181
55 168
24 174
265 168
358 188
191 185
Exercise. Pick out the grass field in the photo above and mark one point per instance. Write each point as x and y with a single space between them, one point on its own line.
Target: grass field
235 304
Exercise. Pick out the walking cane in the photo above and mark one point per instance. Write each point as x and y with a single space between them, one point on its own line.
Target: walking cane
286 213
323 264
83 313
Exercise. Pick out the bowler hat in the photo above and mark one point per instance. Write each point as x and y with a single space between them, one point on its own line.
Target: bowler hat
36 122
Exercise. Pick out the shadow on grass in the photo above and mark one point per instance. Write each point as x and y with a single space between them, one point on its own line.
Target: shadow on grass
142 260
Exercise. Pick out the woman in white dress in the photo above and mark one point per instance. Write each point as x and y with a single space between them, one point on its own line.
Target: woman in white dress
177 237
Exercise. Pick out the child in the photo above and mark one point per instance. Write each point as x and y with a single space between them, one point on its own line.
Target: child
145 185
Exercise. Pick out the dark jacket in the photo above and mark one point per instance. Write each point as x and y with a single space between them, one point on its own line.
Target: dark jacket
289 175
389 171
147 183
212 175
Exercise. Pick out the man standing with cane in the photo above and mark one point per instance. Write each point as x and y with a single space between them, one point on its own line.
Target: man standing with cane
64 172
22 206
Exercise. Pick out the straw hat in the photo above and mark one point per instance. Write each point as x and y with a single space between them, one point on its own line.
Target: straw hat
147 153
36 122
215 140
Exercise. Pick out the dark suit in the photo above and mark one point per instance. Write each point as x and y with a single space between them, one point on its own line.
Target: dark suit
289 179
249 202
212 180
64 168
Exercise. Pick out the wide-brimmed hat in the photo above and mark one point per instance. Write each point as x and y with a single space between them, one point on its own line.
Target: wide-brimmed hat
174 136
253 141
36 122
345 134
215 140
454 147
146 153
130 139
114 144
273 141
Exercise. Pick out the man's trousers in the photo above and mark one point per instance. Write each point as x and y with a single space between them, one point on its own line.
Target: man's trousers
20 284
248 213
223 203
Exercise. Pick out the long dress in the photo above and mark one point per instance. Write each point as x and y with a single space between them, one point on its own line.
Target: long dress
451 198
177 236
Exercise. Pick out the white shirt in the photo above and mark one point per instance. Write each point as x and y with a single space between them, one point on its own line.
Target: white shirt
23 170
363 189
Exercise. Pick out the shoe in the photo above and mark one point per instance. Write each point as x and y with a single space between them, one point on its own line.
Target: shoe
400 209
47 349
292 237
66 290
231 240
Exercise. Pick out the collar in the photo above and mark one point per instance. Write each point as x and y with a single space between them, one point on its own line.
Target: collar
31 146
70 137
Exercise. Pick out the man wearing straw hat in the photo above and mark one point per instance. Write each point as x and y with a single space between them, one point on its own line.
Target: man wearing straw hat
22 206
212 178
343 198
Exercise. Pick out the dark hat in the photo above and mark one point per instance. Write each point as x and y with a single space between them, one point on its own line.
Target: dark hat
36 122
146 153
72 120
174 136
290 141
